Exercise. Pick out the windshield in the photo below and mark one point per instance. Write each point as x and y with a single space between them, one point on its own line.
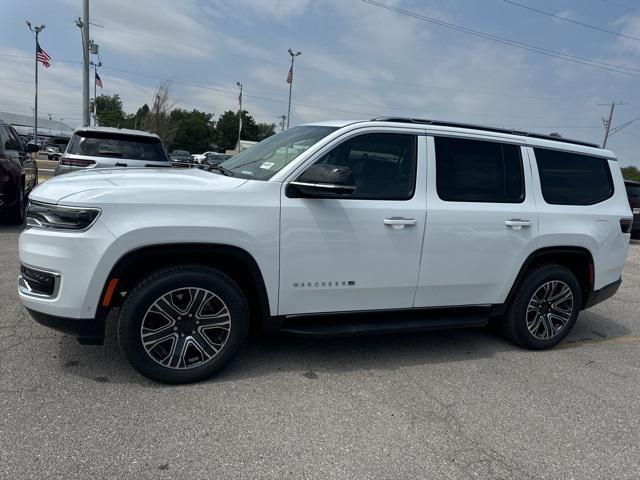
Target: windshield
263 160
104 144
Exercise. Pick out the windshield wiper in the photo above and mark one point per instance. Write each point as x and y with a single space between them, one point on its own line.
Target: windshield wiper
222 170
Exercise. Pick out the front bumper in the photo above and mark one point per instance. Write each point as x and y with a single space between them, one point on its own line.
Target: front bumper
90 331
74 257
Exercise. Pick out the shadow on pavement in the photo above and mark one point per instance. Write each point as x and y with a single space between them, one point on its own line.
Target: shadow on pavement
268 355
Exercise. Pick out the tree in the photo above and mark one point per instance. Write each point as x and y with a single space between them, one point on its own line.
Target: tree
631 173
227 129
157 119
555 134
195 130
265 130
109 111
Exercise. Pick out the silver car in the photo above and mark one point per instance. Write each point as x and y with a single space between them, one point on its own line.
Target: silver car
106 147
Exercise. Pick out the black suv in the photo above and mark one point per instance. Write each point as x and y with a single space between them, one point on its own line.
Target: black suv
633 192
18 175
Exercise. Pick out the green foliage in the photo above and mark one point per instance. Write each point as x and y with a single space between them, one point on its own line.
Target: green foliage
631 173
227 129
109 111
195 130
181 129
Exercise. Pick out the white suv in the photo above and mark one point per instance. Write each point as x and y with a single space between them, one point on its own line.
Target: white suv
328 229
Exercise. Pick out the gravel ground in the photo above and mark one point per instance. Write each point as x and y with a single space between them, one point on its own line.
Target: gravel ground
458 404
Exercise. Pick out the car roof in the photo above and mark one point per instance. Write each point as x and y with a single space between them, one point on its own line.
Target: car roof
633 183
530 138
113 130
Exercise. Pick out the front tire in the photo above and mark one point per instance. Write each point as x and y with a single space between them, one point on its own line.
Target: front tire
545 308
183 324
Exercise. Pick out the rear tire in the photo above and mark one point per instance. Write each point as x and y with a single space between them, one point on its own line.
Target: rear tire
183 324
15 215
545 308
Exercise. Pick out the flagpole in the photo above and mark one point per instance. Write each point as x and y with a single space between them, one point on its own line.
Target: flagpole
293 56
95 98
37 31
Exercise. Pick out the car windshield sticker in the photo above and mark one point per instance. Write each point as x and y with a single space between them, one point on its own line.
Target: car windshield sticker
266 165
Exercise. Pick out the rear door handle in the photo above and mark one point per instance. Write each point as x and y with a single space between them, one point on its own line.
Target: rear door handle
399 222
517 223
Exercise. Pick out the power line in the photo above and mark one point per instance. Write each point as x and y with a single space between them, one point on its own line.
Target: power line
513 43
576 22
301 66
631 9
417 85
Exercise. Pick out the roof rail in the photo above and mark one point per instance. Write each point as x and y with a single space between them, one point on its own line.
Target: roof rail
521 133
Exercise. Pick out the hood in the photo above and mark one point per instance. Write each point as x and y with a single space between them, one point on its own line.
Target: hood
131 185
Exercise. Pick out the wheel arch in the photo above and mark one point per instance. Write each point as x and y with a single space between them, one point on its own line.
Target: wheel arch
577 259
234 261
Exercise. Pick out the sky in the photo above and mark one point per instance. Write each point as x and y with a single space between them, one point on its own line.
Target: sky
358 60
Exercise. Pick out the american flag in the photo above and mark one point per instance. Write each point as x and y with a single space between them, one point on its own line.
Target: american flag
290 75
42 56
98 81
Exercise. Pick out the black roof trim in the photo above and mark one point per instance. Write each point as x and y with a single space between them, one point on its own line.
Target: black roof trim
439 123
634 183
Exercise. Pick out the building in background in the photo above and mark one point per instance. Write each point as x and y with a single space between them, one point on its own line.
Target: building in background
50 132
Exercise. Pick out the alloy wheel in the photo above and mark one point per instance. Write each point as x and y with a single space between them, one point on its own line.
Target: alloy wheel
549 309
185 328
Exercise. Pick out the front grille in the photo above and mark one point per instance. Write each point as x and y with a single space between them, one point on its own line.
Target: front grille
39 282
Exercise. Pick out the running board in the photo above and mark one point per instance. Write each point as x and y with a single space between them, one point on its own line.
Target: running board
337 325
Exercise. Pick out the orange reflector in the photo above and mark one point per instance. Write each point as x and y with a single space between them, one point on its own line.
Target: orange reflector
106 301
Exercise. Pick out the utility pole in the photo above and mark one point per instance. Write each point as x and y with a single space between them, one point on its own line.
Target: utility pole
83 24
290 82
607 122
93 47
239 117
37 31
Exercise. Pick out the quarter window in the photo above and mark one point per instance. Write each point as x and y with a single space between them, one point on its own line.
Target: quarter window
573 179
478 171
383 164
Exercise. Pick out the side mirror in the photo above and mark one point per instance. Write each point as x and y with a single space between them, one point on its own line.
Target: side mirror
32 147
322 180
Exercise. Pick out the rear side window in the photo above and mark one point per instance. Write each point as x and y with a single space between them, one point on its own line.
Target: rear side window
478 171
106 144
573 179
8 139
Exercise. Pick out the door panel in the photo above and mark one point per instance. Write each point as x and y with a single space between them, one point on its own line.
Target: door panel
340 254
473 250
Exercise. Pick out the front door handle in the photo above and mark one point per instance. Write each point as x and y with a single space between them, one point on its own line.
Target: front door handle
517 223
399 222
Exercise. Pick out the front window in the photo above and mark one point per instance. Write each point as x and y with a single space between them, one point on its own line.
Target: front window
263 160
106 144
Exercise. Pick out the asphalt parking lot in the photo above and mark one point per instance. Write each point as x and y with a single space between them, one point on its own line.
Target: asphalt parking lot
456 404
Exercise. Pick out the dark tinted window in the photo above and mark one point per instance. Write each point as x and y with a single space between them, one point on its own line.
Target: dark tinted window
573 179
383 164
106 144
8 139
13 142
633 191
478 171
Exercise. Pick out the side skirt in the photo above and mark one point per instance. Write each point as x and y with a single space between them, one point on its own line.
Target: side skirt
380 322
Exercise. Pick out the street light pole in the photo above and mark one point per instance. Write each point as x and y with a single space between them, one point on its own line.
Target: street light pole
239 117
83 24
290 81
37 31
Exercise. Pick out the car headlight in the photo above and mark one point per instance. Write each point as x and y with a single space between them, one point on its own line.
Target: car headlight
58 217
